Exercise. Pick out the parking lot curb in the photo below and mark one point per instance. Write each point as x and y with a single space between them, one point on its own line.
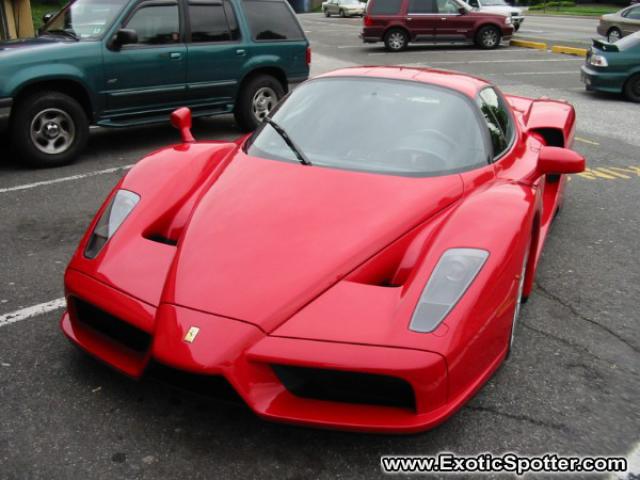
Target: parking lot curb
579 52
529 44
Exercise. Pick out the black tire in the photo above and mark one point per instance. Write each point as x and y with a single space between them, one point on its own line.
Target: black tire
326 13
65 113
488 37
632 88
244 114
516 27
342 14
396 40
613 35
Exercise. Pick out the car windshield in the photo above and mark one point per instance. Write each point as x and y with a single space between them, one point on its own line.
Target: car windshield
630 41
377 125
85 19
494 3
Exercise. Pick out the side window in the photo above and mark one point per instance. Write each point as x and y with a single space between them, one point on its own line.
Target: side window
447 6
272 20
474 3
210 22
156 24
386 7
422 6
499 120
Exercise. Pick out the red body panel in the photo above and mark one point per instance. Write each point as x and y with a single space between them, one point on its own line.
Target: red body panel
273 263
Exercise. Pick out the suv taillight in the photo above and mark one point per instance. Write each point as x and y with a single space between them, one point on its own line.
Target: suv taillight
368 22
308 55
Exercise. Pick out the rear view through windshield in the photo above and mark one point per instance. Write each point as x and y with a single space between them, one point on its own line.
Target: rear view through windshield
377 125
385 7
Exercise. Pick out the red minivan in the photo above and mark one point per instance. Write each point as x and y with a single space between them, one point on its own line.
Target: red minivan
399 22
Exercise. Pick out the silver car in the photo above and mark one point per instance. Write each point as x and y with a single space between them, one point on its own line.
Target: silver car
344 8
614 26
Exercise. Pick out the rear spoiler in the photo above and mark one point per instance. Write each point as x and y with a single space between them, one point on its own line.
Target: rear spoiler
605 46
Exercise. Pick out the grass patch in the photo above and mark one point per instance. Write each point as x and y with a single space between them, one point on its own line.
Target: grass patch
39 9
570 8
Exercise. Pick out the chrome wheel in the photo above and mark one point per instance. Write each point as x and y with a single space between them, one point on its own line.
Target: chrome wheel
396 41
614 35
52 131
263 102
490 38
516 314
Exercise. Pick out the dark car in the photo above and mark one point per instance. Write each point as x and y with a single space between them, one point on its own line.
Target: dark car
614 67
399 22
117 63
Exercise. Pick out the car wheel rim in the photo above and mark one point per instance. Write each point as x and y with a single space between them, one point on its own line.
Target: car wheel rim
614 36
396 41
516 314
263 102
489 38
52 131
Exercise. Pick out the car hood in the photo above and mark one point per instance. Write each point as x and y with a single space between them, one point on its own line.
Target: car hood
29 43
506 10
271 236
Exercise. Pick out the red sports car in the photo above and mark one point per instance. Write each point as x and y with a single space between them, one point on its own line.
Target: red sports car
356 263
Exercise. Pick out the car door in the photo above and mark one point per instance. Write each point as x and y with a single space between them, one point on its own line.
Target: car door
150 75
332 7
422 16
631 21
451 24
215 53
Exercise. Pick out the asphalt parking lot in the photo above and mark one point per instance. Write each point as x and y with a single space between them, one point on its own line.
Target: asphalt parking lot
572 385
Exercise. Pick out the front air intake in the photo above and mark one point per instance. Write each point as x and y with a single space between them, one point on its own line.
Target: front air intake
110 326
346 387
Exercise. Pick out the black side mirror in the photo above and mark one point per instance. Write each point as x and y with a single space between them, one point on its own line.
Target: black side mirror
462 11
46 17
125 36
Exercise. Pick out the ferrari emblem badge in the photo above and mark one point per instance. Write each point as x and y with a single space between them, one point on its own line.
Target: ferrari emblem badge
191 335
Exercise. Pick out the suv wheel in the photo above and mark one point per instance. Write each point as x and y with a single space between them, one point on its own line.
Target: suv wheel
488 37
256 100
613 35
396 40
632 88
326 13
342 14
49 129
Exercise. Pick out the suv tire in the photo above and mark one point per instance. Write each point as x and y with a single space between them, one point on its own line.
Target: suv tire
396 40
632 88
256 99
342 14
326 13
613 35
488 37
49 129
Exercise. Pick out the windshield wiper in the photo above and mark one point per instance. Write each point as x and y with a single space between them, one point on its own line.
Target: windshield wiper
66 33
294 148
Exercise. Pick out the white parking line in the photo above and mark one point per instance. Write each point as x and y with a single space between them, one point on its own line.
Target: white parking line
64 179
30 312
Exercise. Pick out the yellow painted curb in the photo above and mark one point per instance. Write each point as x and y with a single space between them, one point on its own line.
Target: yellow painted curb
528 44
579 52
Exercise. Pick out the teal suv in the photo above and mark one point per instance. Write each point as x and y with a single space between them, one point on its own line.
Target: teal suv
117 63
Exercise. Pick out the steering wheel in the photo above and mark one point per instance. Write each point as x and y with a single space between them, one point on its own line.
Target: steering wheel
417 158
437 136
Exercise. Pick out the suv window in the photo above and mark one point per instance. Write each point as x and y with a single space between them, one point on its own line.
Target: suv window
212 21
386 7
272 20
422 6
156 24
448 6
498 119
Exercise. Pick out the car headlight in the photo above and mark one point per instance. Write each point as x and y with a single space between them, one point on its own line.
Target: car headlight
451 278
507 20
115 214
598 61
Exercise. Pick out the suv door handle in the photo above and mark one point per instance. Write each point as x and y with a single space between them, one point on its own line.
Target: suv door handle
175 55
241 52
409 19
443 18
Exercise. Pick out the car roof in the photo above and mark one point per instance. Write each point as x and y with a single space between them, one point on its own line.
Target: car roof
467 84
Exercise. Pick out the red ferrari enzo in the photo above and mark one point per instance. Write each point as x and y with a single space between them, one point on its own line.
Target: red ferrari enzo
357 263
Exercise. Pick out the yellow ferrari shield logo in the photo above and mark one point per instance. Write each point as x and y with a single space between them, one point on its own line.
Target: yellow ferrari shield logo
191 335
